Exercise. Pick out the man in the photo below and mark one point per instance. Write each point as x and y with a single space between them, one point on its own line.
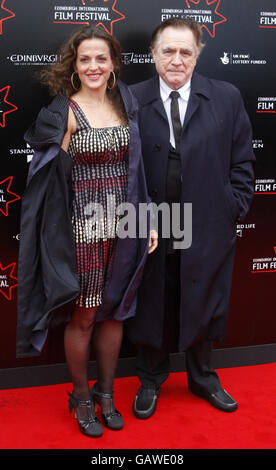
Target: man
205 159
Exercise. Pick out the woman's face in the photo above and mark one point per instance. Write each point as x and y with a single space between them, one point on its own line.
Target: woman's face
93 64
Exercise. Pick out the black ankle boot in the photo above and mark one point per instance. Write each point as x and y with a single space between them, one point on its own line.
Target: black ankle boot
112 420
85 414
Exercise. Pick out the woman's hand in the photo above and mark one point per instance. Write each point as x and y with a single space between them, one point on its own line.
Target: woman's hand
153 241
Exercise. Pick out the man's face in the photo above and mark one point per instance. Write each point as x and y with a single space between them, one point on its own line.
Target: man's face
175 53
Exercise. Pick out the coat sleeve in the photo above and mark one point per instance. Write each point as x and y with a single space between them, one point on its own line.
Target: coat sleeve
242 159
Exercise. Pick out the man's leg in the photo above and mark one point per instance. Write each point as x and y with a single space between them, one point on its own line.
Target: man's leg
153 365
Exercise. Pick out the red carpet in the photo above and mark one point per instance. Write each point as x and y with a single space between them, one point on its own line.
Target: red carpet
38 418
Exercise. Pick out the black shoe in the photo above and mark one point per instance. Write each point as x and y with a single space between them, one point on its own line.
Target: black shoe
145 402
112 420
85 414
220 399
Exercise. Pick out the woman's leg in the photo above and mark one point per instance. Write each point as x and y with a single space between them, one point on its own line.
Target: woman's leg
77 339
107 344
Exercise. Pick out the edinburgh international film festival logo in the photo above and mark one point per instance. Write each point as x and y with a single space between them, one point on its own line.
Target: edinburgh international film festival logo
206 12
5 14
267 20
265 264
99 13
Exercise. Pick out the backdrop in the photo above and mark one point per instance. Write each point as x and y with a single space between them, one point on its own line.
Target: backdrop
240 47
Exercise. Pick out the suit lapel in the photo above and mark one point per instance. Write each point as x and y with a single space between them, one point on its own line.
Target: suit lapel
152 96
191 109
199 90
160 110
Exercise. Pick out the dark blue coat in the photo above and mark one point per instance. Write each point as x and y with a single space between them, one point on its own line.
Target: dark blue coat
47 267
217 178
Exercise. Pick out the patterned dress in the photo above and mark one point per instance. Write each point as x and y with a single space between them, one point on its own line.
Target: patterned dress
100 179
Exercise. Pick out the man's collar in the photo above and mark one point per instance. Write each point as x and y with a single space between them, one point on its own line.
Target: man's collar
200 85
165 90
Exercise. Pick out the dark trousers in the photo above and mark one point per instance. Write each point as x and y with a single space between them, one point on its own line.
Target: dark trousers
153 365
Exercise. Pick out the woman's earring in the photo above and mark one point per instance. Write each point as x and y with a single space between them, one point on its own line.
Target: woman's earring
114 81
72 82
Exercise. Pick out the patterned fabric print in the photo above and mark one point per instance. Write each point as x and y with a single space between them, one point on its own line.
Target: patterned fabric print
100 178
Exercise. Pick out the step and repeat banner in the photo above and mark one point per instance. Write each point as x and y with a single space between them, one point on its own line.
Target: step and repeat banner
240 48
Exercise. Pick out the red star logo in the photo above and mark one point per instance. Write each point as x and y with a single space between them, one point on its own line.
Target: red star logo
108 25
6 196
7 280
4 16
204 4
5 106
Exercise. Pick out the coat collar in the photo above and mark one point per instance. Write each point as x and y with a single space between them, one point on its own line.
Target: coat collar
130 102
199 86
50 124
200 89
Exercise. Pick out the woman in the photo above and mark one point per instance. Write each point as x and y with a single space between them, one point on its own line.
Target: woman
93 121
